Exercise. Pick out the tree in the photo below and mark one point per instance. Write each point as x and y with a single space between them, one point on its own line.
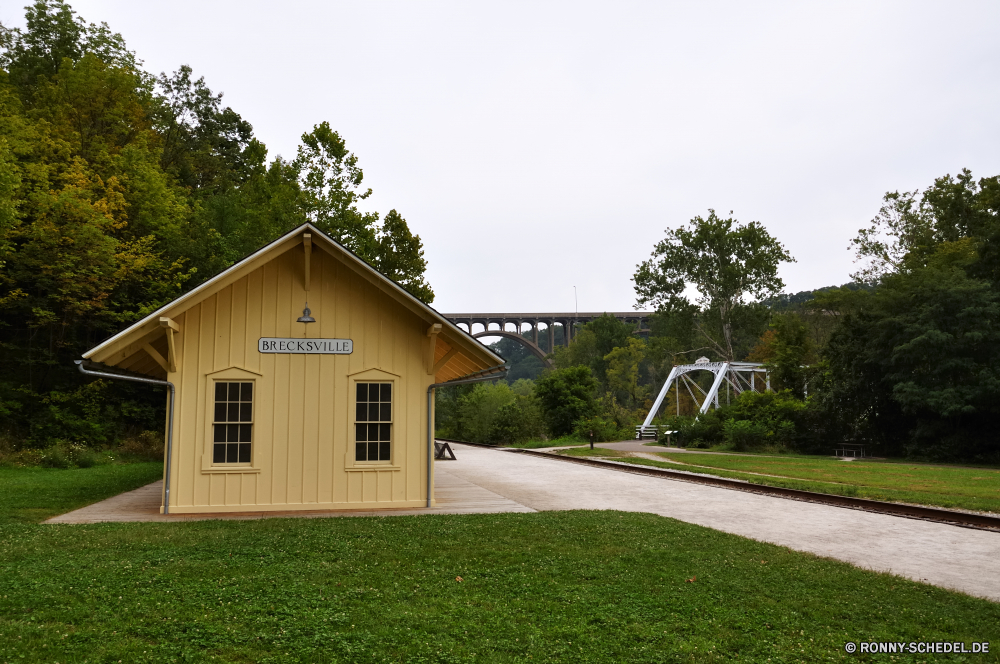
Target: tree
787 349
725 261
566 395
54 34
331 180
917 369
914 366
118 192
910 225
623 371
204 144
592 343
399 255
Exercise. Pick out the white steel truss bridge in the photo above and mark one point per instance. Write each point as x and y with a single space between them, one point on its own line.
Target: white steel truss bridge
738 376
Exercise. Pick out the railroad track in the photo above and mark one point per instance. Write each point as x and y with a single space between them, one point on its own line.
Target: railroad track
952 517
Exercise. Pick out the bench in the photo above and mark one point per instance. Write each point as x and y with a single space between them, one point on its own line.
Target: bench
652 432
443 452
856 450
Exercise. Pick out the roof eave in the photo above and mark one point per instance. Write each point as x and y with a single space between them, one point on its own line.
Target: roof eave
402 294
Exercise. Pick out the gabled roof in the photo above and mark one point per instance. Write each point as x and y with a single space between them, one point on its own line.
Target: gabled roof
469 356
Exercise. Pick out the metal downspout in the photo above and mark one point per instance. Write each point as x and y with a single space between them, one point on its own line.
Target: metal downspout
170 418
430 419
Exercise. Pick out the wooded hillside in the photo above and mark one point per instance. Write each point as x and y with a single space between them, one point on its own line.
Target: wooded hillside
119 190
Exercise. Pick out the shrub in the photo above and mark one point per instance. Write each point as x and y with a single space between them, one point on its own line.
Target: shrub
515 422
744 435
495 414
754 421
605 429
145 446
478 409
86 459
55 457
702 431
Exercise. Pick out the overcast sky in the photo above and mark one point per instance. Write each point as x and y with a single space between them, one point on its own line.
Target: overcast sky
539 146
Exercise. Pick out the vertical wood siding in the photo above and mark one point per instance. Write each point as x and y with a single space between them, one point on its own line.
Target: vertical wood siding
303 427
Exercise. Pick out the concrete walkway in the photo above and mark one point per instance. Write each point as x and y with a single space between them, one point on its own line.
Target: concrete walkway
452 495
948 556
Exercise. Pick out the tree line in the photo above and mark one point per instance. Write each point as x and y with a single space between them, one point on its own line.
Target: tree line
120 190
905 359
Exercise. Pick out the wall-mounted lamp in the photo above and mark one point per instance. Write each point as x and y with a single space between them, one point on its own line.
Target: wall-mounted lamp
306 316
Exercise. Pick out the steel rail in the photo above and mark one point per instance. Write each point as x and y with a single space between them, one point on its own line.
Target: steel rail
980 521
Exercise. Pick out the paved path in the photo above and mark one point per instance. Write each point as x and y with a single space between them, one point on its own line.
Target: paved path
452 495
947 556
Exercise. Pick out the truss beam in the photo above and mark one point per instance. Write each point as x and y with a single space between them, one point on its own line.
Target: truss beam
739 375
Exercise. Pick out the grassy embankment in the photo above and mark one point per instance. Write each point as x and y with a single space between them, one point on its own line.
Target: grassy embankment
543 587
596 452
958 487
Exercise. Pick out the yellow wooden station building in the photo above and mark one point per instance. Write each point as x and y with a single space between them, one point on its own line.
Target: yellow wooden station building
301 379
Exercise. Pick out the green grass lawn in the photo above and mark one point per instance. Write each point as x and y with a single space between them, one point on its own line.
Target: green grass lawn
596 452
34 494
554 442
543 587
924 484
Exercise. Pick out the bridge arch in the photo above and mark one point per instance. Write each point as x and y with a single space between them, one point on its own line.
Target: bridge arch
527 343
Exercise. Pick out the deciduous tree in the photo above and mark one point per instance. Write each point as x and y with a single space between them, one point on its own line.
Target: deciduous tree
727 262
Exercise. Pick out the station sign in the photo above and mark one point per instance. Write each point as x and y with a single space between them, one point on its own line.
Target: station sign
306 346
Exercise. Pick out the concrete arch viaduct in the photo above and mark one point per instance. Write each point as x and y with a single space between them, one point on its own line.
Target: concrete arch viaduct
537 322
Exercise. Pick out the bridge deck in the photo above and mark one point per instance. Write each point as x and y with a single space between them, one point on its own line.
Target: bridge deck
553 316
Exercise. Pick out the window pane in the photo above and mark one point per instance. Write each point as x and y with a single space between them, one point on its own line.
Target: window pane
373 412
219 453
386 409
232 433
233 412
246 392
372 432
232 452
386 392
362 392
245 430
361 412
373 451
246 412
220 412
220 391
219 433
234 391
244 452
383 433
361 432
383 451
361 452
